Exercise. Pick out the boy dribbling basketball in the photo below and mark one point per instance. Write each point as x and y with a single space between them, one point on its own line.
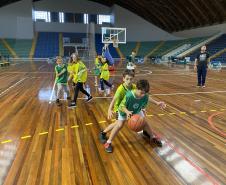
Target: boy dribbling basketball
134 102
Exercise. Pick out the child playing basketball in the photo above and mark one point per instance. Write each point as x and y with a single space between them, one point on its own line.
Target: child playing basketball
61 79
134 102
97 68
79 78
105 75
118 97
131 62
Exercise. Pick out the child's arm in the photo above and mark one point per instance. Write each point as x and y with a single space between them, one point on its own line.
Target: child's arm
62 72
128 113
110 112
160 103
122 107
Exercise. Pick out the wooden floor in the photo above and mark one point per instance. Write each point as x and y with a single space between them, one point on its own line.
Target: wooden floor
41 143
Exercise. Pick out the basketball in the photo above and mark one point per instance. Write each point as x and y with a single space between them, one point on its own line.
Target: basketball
136 123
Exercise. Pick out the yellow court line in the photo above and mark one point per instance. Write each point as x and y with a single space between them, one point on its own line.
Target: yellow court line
183 113
161 114
203 111
88 124
74 126
172 113
150 115
6 141
193 112
213 110
42 133
25 137
60 129
222 109
102 121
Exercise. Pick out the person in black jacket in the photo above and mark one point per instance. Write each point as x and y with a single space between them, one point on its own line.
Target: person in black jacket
201 65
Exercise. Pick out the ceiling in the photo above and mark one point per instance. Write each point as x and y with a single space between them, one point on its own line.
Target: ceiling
170 15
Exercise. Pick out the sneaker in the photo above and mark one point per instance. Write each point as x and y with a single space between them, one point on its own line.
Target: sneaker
58 102
157 141
89 99
72 105
146 134
108 147
198 86
102 137
203 86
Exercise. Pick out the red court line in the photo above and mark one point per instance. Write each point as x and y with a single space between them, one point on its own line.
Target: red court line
213 126
199 169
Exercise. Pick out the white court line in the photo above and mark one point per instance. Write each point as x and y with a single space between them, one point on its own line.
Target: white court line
216 79
12 86
188 93
169 94
41 67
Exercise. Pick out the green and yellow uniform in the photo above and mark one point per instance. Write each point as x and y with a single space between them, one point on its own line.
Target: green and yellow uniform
62 78
105 72
80 72
132 103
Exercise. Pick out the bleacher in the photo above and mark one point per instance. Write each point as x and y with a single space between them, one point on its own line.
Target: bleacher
4 51
212 48
127 48
47 45
22 47
146 47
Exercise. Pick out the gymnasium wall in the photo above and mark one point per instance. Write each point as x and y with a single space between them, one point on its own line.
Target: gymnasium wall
16 20
139 29
201 32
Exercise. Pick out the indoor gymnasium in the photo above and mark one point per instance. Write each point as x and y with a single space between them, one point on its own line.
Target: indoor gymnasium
121 92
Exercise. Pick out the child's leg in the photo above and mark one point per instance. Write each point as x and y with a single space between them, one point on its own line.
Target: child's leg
102 84
59 89
107 83
76 91
115 130
153 138
83 90
119 124
66 89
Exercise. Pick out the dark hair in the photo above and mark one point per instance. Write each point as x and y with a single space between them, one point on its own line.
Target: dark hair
128 72
143 85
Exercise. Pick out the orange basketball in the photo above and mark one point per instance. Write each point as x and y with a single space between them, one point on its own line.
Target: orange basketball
136 123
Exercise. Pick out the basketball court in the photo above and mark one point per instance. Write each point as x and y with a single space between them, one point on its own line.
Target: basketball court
45 144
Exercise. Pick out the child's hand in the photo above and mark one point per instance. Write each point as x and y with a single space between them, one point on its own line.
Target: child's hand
110 114
129 114
162 104
144 111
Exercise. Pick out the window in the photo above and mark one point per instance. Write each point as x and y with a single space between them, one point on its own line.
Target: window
61 17
86 18
43 16
104 18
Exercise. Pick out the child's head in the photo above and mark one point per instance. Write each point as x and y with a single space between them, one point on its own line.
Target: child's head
128 76
104 60
59 60
133 53
143 88
74 57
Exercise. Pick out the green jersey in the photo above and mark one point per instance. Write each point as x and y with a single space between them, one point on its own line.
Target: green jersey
132 103
120 93
63 77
